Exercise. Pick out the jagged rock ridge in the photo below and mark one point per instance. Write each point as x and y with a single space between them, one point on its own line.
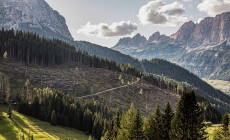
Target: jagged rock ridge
33 15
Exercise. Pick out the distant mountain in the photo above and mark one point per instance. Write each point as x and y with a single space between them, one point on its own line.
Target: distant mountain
33 15
210 31
130 44
192 47
211 61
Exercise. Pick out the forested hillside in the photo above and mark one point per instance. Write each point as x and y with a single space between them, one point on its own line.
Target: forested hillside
32 64
32 49
162 68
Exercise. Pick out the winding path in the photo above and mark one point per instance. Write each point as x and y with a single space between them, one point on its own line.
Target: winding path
101 92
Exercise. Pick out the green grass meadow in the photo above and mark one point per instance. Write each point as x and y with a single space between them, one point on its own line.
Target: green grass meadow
19 125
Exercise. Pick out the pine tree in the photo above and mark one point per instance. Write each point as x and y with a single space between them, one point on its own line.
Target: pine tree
167 118
187 123
90 138
109 133
154 126
136 130
126 123
117 123
225 122
9 112
53 118
224 133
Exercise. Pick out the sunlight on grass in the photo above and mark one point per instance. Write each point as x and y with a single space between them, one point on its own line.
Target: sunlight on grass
211 131
12 129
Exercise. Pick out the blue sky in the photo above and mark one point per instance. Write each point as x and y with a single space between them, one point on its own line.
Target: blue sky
105 21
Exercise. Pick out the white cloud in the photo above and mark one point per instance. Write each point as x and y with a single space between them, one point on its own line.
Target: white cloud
159 13
104 30
213 7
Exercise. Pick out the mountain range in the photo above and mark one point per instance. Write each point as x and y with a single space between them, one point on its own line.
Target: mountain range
33 15
202 48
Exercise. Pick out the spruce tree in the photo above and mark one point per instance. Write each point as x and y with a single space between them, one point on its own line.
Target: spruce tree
154 128
126 123
225 122
136 130
53 120
9 112
167 118
187 123
109 133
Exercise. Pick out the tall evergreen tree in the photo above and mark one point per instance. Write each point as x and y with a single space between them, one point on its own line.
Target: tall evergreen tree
167 118
136 130
126 123
187 123
225 122
9 111
53 120
154 126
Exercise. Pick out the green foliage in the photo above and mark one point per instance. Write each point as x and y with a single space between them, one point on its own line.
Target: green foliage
5 55
126 123
90 138
187 122
154 126
136 130
225 122
61 109
53 120
9 111
167 118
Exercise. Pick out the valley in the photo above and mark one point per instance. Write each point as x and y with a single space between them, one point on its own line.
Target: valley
57 83
220 84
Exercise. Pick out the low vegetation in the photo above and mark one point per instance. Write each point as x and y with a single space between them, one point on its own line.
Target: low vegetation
23 126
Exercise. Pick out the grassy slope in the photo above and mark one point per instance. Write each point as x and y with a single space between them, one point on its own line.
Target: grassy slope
12 129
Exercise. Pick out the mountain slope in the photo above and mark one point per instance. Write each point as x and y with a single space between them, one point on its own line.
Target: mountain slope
193 46
33 15
159 67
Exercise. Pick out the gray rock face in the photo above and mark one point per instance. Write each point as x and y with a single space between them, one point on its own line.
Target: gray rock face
202 48
128 44
157 38
183 34
33 15
210 31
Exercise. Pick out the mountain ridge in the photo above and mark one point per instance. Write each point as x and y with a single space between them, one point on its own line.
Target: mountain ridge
208 33
33 15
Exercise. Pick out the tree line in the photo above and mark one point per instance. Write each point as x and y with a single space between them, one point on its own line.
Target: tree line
96 119
62 109
186 123
30 48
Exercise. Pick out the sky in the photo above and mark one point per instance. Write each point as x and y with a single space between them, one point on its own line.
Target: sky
104 22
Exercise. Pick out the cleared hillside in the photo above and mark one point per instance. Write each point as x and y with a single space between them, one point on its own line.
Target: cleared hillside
85 81
162 68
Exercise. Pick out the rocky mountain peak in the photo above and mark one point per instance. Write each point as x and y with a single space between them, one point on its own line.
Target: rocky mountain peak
210 31
33 15
136 41
157 38
184 32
